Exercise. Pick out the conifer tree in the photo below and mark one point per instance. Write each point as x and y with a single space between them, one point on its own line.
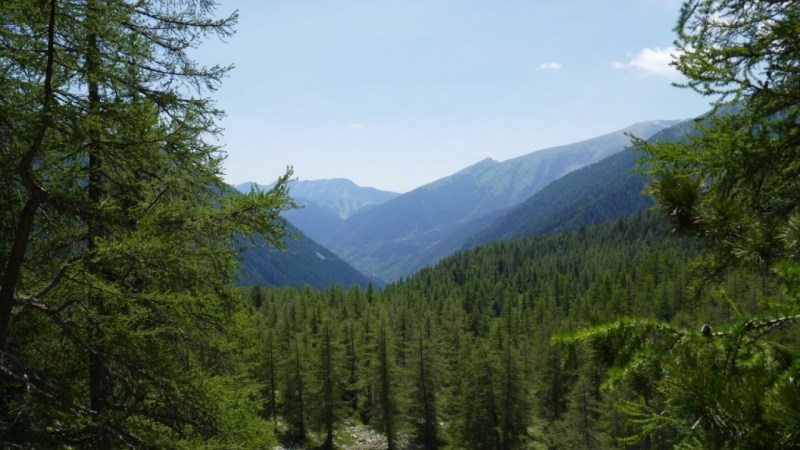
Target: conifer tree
328 379
423 404
270 374
577 428
117 251
734 185
385 402
295 389
514 405
480 423
353 383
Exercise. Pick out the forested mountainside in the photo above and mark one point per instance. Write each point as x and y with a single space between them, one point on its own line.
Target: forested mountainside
603 191
599 192
324 205
302 263
462 355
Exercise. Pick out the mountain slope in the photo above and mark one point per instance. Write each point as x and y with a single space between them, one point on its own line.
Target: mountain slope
400 236
325 204
340 195
304 262
603 191
337 195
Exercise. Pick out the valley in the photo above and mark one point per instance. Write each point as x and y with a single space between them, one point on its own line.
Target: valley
388 236
639 289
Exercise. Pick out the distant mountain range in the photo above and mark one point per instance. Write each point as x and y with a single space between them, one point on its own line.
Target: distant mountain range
338 196
387 236
398 237
325 204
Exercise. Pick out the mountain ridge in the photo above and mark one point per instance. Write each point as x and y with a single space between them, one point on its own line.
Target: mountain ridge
386 236
603 191
396 238
341 195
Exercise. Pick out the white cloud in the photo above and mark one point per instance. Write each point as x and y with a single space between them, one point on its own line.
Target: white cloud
655 61
550 66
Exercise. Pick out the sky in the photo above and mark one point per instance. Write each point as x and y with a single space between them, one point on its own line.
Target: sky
394 94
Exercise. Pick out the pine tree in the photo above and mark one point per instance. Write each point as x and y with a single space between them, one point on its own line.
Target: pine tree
294 391
578 427
269 374
353 384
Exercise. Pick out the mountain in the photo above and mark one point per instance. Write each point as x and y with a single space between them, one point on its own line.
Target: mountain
325 204
304 262
600 192
338 196
398 237
402 233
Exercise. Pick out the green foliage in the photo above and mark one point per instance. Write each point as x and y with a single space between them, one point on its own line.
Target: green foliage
733 185
733 182
626 334
120 325
481 422
424 374
468 359
116 296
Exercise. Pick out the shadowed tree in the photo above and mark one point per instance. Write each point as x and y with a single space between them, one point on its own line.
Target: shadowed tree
117 250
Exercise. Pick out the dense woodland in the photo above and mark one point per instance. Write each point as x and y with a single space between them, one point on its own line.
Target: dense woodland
480 351
121 324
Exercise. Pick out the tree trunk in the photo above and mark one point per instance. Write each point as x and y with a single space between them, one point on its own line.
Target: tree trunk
301 425
99 380
24 228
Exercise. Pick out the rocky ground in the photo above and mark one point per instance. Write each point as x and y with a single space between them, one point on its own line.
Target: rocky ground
355 436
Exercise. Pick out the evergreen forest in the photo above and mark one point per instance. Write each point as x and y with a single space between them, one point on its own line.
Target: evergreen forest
122 326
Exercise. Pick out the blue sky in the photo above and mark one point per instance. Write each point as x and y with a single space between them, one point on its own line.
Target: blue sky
394 94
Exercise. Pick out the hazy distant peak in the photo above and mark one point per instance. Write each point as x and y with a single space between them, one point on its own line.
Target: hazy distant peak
328 183
479 167
341 196
664 123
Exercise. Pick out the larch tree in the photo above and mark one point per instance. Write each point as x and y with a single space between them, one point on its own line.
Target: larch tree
117 243
385 414
423 368
733 185
479 424
329 378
